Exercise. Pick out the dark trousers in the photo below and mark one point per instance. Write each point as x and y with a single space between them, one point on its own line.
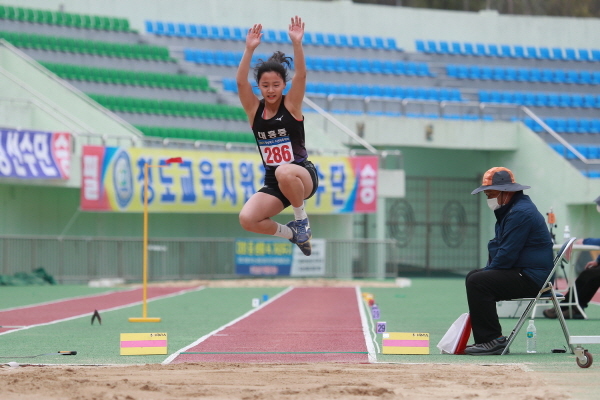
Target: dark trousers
484 289
587 284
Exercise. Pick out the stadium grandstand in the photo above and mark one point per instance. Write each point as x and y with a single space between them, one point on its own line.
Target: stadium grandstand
437 96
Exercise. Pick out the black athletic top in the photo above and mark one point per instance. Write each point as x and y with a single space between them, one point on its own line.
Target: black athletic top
280 139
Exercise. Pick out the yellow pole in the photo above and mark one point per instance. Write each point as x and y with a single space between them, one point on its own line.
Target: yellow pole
145 257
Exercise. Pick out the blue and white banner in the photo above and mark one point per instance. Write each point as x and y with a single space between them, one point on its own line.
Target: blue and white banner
277 257
27 154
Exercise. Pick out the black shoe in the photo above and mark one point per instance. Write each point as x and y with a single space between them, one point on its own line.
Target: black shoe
494 347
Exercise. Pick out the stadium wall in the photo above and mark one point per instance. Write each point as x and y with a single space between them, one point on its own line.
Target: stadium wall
405 24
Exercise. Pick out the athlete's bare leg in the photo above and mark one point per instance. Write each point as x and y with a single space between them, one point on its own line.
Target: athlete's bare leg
257 213
294 182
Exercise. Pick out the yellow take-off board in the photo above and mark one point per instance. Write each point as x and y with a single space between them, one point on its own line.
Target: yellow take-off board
405 343
136 344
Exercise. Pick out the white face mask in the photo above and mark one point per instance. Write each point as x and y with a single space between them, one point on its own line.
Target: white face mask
493 204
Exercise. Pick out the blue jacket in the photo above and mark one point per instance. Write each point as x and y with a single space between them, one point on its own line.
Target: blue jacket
522 240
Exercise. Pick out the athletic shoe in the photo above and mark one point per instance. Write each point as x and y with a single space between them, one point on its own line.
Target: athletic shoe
297 233
494 347
303 230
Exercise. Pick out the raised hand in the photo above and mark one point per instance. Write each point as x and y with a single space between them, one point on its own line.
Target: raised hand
253 36
296 30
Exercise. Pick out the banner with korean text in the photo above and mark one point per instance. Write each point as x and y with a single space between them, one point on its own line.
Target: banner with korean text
27 154
213 182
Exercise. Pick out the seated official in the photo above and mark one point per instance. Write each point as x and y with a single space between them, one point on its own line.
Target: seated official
587 283
519 261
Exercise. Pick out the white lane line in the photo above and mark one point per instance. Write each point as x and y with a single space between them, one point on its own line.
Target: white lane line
365 327
87 314
169 359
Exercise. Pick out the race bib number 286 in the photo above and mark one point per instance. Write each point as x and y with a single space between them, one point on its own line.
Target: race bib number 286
276 151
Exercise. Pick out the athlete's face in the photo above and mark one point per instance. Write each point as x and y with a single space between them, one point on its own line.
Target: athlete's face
271 86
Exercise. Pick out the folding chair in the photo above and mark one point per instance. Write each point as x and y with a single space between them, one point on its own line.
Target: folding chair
546 293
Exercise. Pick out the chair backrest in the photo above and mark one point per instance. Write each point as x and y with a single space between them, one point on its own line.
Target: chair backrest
564 254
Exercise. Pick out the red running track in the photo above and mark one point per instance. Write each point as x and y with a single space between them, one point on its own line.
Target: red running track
71 308
325 321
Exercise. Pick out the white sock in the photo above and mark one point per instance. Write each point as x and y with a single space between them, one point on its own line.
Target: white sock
300 213
283 231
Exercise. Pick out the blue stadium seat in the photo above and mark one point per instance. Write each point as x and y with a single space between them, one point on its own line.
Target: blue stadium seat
507 98
341 65
444 48
518 52
208 57
149 26
583 55
420 46
399 68
474 72
378 43
329 65
595 128
214 32
410 68
564 100
593 151
570 54
220 58
431 47
519 98
445 94
331 40
355 42
468 49
455 48
203 31
193 31
585 78
423 70
577 101
572 76
486 73
553 100
226 33
572 125
498 73
387 67
584 126
462 72
376 66
455 95
283 37
529 99
480 50
535 75
559 76
170 29
388 91
492 50
595 55
557 53
510 74
544 53
541 99
546 75
239 34
495 96
189 55
531 52
390 44
522 74
484 96
589 101
506 51
319 39
561 125
452 71
367 42
160 28
596 78
343 41
352 65
269 36
364 66
308 39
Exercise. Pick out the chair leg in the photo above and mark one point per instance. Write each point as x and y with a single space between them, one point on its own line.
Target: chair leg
561 319
518 326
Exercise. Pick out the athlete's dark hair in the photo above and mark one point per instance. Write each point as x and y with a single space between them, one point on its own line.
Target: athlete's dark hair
278 63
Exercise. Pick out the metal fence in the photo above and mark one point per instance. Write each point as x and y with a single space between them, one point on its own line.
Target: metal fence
78 259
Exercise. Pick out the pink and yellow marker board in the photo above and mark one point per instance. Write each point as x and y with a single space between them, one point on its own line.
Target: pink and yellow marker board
137 344
405 343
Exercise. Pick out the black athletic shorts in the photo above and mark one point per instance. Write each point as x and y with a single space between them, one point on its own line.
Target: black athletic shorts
272 186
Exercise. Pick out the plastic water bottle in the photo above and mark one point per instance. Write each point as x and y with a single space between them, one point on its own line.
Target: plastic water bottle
567 234
531 337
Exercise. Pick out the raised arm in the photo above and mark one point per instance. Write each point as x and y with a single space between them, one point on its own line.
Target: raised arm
247 98
293 100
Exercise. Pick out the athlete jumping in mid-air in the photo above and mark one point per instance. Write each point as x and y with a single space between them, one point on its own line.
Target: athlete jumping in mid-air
278 126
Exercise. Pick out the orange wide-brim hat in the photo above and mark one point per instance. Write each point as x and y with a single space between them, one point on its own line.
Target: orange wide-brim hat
499 178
